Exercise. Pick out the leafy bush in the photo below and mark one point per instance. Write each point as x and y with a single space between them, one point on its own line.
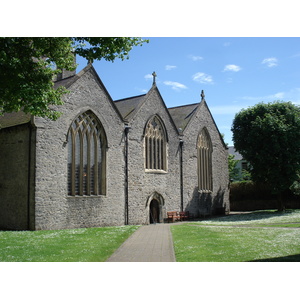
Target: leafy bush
248 195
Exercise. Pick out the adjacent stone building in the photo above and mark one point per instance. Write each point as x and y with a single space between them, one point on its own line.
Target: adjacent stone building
106 162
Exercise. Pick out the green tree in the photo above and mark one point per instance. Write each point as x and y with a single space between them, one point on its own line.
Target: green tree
28 66
234 173
268 137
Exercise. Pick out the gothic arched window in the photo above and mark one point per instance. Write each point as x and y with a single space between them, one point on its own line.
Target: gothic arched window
86 156
155 145
204 158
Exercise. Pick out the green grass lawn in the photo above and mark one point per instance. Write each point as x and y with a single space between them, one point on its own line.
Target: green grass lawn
69 245
257 236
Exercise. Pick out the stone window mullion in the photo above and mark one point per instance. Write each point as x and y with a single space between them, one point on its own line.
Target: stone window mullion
155 145
202 169
210 169
159 166
206 169
96 172
154 151
146 154
204 159
88 171
162 155
150 153
102 154
86 138
81 165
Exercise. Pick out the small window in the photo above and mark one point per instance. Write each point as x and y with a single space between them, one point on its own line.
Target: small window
204 158
86 156
155 145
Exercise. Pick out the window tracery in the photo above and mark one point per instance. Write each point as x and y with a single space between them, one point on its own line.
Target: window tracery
86 156
204 158
155 145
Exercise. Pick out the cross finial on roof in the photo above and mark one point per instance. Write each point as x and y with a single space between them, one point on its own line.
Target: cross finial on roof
154 77
202 95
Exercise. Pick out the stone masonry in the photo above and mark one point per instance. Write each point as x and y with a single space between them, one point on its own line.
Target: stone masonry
34 163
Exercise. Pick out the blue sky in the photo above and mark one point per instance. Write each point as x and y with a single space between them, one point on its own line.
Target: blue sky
234 72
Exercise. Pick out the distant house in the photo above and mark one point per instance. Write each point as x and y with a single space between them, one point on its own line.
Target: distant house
242 164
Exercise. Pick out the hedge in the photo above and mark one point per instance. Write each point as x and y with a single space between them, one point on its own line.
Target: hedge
247 196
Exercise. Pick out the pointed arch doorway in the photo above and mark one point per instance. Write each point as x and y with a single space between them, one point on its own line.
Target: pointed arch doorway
154 211
154 205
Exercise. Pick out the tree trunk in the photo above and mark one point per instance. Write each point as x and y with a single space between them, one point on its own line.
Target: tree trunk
280 204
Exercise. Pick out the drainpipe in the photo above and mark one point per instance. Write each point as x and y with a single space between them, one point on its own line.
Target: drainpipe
31 176
181 174
126 172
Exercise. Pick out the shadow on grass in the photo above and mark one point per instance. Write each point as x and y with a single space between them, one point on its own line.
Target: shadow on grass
251 216
289 258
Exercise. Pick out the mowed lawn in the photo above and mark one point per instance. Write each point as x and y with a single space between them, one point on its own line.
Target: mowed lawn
69 245
256 236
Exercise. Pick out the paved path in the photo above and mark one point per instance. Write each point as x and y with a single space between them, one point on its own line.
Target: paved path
150 243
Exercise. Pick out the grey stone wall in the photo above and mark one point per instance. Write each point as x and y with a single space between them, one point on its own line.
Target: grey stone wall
54 208
34 192
14 166
195 202
142 184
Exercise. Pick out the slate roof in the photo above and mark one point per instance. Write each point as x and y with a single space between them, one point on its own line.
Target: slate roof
14 119
127 106
182 114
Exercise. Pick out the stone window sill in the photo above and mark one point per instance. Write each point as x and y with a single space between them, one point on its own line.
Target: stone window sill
153 171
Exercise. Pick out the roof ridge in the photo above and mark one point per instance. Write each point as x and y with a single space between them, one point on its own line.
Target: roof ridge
132 97
184 105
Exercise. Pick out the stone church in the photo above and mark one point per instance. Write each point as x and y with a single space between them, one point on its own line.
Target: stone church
106 163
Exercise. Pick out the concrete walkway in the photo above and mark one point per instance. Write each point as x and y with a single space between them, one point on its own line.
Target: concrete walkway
150 243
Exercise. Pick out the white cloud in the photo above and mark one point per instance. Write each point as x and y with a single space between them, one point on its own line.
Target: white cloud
168 67
296 55
233 68
195 57
277 96
226 109
175 85
292 95
140 90
148 77
203 78
270 62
